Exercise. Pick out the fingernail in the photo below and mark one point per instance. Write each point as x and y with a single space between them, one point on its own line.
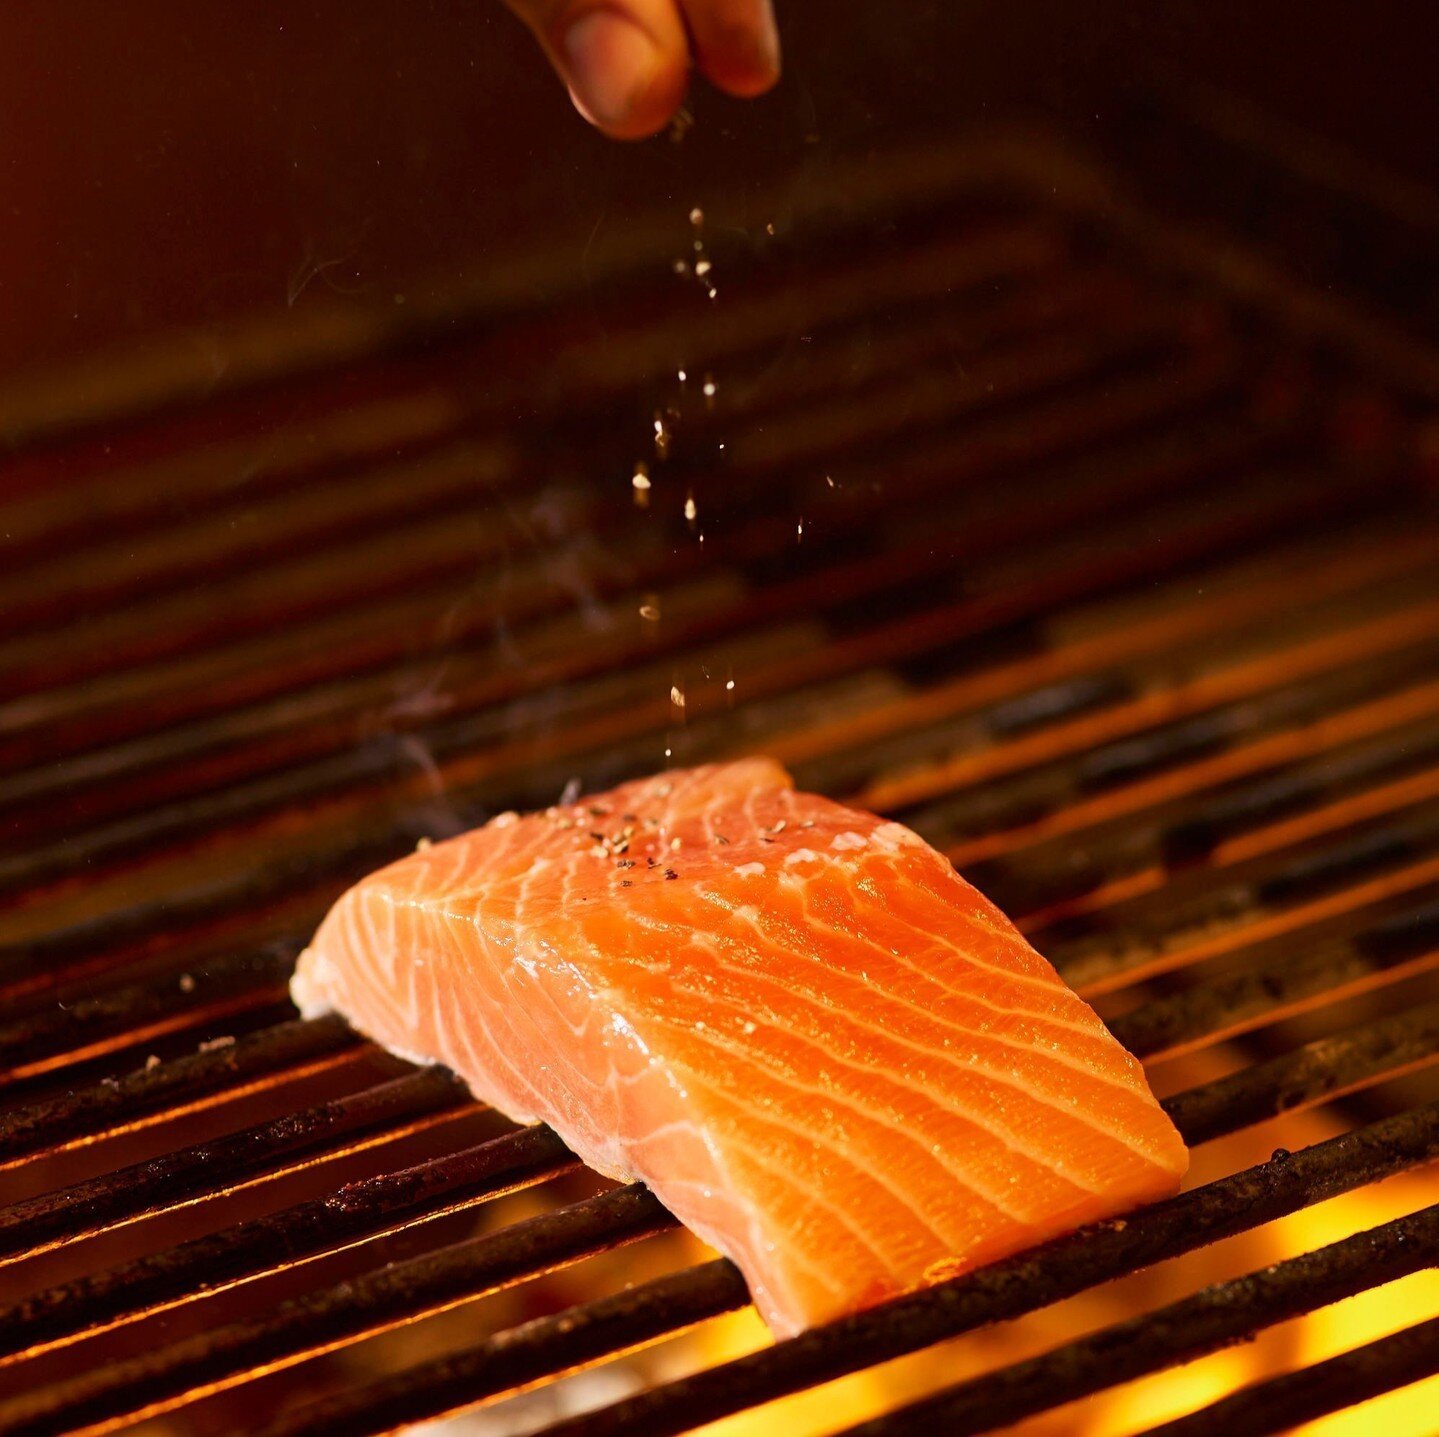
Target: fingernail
769 40
612 62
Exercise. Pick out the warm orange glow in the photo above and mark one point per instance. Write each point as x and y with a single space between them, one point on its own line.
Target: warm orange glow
1307 1340
1130 1408
1361 1319
1139 1405
819 1410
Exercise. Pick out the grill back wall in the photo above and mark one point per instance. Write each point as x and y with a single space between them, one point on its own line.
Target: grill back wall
1109 568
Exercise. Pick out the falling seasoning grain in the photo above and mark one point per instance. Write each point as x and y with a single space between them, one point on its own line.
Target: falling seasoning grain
690 510
650 610
640 481
677 696
729 685
697 217
702 268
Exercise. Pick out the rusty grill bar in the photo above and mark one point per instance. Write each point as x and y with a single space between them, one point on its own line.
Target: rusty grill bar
1113 585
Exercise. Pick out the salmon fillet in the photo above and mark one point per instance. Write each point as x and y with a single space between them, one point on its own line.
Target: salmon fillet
825 1052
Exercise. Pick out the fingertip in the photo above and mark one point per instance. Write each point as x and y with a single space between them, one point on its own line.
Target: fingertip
620 77
745 66
745 83
737 44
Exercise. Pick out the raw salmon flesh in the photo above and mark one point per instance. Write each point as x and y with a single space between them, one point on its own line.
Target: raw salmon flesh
824 1051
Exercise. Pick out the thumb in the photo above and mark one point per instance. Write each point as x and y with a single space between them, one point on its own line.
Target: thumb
626 62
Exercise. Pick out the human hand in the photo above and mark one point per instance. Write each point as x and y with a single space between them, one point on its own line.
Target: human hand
627 62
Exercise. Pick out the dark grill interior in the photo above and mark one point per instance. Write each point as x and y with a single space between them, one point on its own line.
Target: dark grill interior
1032 526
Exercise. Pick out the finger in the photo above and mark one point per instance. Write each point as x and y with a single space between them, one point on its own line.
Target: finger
626 62
736 43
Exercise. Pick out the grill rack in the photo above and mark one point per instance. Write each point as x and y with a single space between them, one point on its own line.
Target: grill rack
1250 787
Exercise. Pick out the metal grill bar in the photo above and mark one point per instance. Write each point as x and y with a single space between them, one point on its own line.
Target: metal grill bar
314 655
1304 784
1019 1285
257 1154
1211 1319
1366 1054
1110 560
157 1093
107 780
546 1347
1322 881
578 1337
1325 1068
1251 785
40 1039
306 1326
395 401
341 839
779 601
1311 660
341 846
1403 944
146 996
380 1205
310 1325
1390 947
1022 1284
1285 1402
375 567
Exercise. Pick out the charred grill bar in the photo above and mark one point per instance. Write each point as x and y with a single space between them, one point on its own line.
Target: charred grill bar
1117 587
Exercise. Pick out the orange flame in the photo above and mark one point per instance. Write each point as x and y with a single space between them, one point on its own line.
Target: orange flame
1138 1405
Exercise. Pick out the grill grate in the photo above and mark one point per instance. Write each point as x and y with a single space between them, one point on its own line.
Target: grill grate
1118 589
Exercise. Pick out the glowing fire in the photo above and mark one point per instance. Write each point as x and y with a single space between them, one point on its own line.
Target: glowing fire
1409 1412
1128 1409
